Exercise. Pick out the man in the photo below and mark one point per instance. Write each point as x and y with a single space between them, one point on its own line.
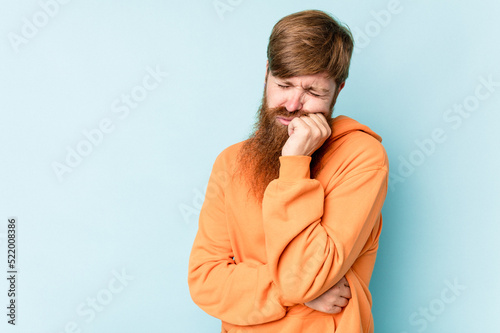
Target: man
289 229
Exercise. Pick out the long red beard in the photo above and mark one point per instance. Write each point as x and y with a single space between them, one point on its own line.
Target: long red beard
258 160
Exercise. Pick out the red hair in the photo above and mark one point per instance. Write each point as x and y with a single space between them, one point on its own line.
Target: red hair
310 42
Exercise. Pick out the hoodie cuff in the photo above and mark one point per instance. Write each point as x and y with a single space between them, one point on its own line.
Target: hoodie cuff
293 168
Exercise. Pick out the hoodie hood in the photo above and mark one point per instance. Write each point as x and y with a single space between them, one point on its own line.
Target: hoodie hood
343 125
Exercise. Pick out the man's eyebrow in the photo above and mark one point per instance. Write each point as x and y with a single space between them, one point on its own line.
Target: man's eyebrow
309 88
285 81
318 89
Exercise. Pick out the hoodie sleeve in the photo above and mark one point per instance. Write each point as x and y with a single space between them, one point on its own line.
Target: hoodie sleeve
313 237
240 294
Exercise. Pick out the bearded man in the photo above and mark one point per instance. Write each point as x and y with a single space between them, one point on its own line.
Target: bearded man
289 229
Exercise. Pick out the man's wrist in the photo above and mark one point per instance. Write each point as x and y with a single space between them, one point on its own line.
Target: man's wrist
295 167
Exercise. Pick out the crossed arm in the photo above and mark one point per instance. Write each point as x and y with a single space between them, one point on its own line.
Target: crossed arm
312 240
306 226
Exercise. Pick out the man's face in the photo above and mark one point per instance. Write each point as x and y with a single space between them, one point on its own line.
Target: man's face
305 94
283 100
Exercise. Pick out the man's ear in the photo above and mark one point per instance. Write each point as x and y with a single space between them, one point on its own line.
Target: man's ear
342 85
337 92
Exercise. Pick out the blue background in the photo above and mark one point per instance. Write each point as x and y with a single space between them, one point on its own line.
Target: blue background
130 206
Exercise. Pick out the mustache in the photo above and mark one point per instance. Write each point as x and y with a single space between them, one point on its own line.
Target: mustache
283 112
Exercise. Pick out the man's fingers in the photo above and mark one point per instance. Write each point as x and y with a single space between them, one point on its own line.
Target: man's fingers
334 310
320 119
313 128
306 134
345 292
345 289
334 300
340 290
342 302
317 127
295 123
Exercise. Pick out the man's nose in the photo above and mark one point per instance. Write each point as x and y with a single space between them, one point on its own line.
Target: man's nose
294 101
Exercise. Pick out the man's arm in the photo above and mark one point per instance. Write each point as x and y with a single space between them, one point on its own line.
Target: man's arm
313 239
239 294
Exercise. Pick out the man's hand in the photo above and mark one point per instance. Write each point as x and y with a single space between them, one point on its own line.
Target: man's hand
306 135
334 299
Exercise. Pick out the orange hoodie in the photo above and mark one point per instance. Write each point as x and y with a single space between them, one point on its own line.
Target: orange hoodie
255 266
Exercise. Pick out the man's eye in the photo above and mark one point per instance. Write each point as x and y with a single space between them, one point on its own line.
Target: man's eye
283 86
313 94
